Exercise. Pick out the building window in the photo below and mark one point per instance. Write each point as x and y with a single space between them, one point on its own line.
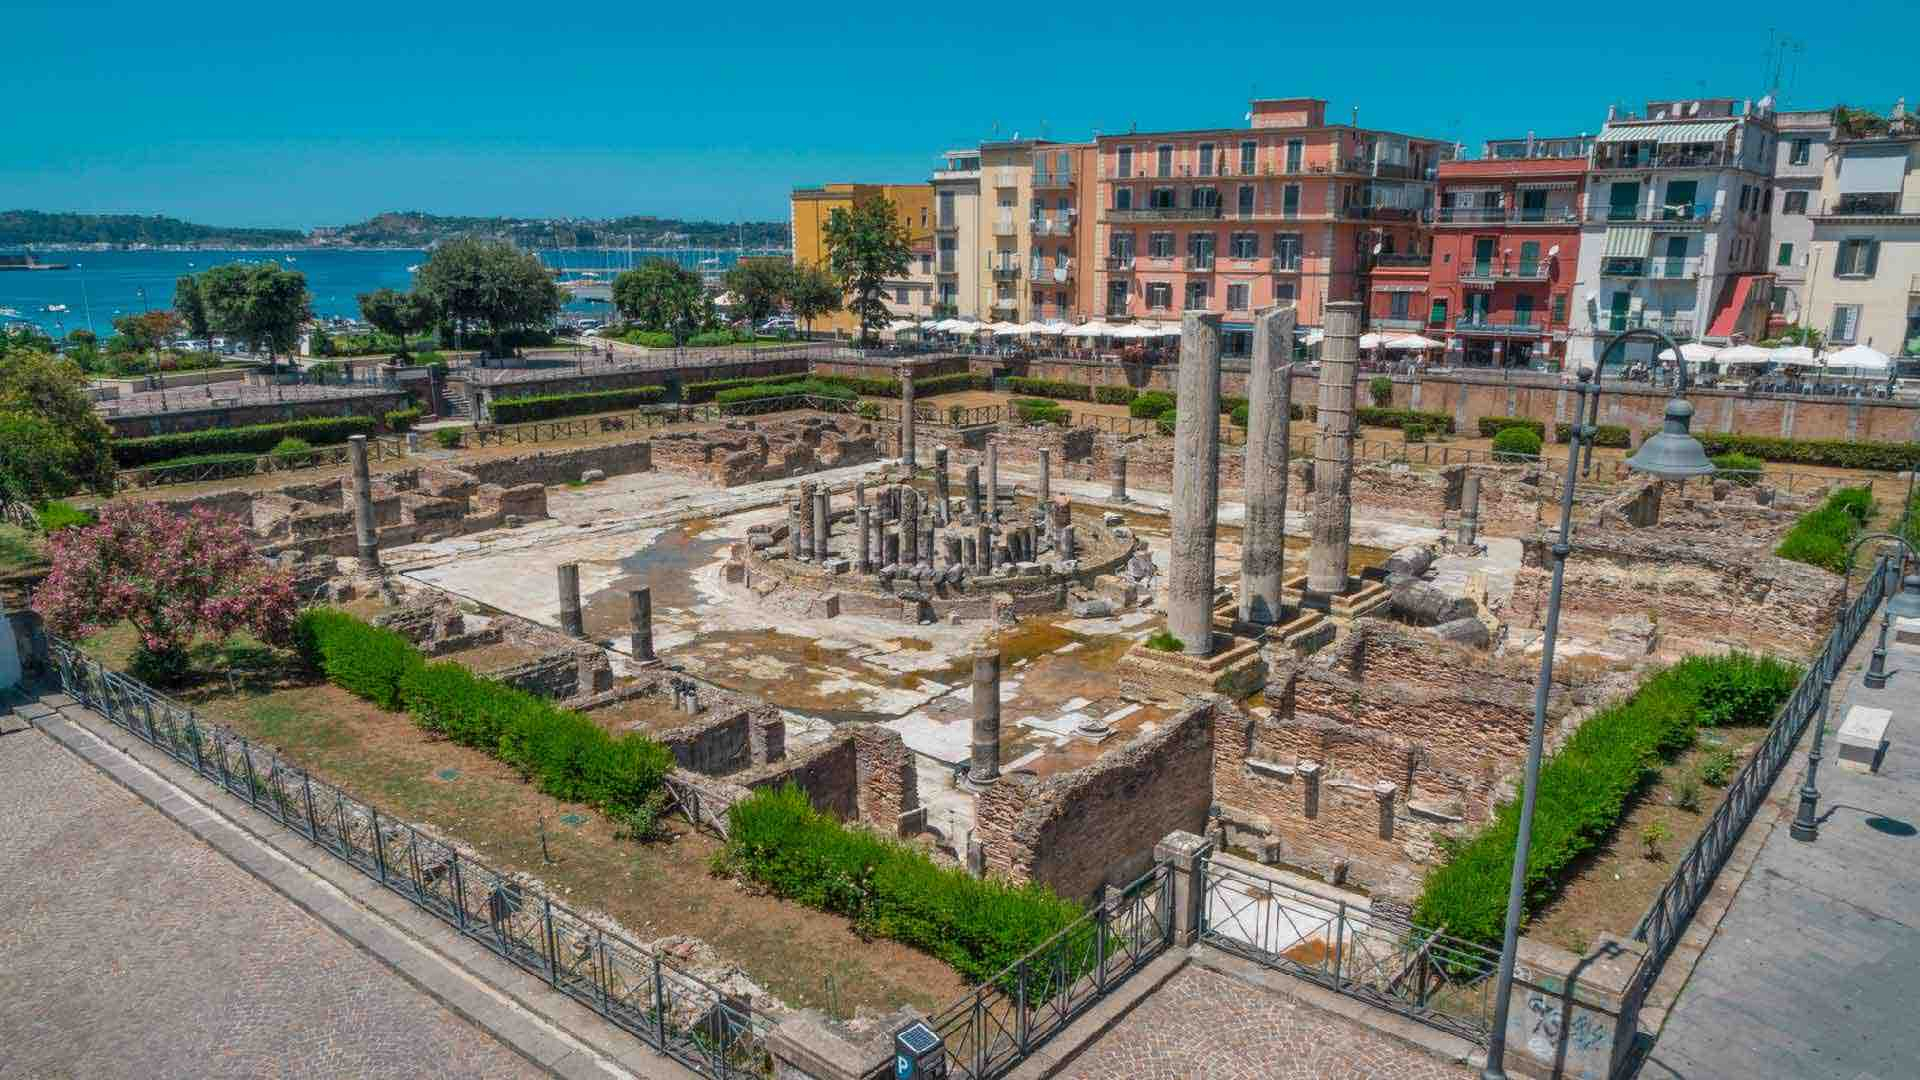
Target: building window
1206 159
1196 298
946 210
1123 198
1846 323
1123 165
1249 155
1290 201
900 296
1164 157
1238 296
1200 250
1159 295
1246 200
1794 203
1523 310
1161 198
1283 293
1438 315
1286 250
1294 149
1398 305
1785 258
1559 309
1120 245
1858 258
1206 198
1801 150
1245 245
1160 245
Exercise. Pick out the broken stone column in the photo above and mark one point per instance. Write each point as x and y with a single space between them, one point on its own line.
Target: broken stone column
1120 475
572 622
1269 401
1046 481
1196 481
906 415
863 524
973 491
805 517
366 539
984 536
1333 452
822 522
640 604
985 766
1470 510
927 548
970 551
893 547
793 529
993 479
859 493
910 524
1067 544
952 544
943 510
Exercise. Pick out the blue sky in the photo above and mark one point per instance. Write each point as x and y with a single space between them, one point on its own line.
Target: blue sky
299 114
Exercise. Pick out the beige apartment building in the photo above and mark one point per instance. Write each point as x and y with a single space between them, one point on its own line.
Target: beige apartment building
1863 281
959 266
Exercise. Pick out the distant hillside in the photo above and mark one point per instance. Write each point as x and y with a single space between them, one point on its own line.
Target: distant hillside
18 227
414 228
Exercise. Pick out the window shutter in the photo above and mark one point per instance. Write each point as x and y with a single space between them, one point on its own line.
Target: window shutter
1873 257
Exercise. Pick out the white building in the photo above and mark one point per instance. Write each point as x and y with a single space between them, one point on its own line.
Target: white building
1674 227
1799 163
959 264
1863 284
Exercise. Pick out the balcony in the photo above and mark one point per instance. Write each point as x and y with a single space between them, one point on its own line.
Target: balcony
1913 285
1866 206
1376 213
1488 274
1197 264
1657 268
1045 179
1006 176
1006 303
1667 158
1119 264
1500 327
1005 226
1167 213
1058 273
1677 214
1679 327
1508 215
1004 269
1284 264
946 265
946 225
1409 261
1380 322
1053 226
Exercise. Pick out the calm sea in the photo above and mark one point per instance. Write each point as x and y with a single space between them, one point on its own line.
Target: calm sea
102 284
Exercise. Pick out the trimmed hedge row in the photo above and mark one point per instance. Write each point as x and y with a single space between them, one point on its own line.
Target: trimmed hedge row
695 393
1609 435
1585 785
932 386
1049 388
1822 536
1887 457
403 419
563 753
1368 416
1040 411
1115 395
763 391
1494 425
515 410
253 439
977 926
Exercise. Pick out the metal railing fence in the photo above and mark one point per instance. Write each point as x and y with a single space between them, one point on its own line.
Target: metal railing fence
683 1016
225 467
1421 974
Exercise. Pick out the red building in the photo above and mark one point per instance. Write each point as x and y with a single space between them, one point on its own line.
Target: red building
1506 248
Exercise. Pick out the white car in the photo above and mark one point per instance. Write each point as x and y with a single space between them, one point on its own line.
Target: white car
779 323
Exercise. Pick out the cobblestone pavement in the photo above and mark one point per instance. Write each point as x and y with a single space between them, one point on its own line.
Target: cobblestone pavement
1203 1025
128 948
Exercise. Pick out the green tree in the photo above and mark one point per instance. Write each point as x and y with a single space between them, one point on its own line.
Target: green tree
20 340
759 287
54 391
811 293
260 303
36 459
145 332
865 247
489 284
191 307
399 314
662 295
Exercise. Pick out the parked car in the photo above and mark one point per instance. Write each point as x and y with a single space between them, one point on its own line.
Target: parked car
779 323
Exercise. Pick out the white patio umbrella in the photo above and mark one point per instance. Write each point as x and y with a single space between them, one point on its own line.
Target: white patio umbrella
1166 330
1694 352
1411 342
1312 336
1035 327
930 324
1860 360
1093 329
1743 354
1372 341
1132 332
1795 354
1056 326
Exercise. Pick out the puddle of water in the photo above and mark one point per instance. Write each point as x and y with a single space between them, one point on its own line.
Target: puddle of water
666 566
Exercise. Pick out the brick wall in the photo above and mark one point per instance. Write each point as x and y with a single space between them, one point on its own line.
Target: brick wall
563 466
359 403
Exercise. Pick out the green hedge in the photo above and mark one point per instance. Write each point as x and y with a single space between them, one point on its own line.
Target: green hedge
932 386
1584 787
1494 425
764 391
1609 435
1041 411
1516 442
1822 536
1886 457
1168 419
403 419
889 890
695 393
1114 395
1368 416
563 753
254 439
516 410
1150 404
1048 388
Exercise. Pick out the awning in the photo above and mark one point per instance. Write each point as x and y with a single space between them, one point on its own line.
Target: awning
1400 288
1546 185
1703 131
1629 242
1873 170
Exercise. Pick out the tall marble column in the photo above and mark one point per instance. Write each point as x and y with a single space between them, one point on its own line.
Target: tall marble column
572 622
640 605
984 768
1196 484
1333 451
943 507
1120 475
993 479
1046 479
906 415
366 535
1269 400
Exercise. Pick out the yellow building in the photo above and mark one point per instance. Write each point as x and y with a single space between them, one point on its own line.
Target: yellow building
814 206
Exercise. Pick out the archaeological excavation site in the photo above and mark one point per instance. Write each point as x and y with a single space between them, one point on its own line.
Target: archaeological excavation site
1025 653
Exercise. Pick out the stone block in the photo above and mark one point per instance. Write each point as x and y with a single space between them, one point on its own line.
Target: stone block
1412 560
1096 608
1862 736
1906 631
1465 631
589 476
1111 519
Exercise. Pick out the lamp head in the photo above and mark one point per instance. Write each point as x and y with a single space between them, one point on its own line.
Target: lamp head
1673 453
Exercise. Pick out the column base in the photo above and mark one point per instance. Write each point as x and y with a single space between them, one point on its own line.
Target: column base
1359 598
1236 668
1301 630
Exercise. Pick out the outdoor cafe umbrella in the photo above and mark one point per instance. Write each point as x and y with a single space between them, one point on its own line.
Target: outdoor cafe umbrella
1694 352
1414 341
1860 360
1371 341
1093 329
1745 354
1004 328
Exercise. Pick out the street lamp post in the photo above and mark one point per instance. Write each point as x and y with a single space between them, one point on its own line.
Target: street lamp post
1806 822
1672 454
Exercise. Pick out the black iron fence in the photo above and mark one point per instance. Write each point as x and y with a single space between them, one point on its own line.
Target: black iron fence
1003 1020
1694 872
715 1034
1418 973
233 466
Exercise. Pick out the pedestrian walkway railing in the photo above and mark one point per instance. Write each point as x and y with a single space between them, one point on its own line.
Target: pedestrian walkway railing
233 466
1346 947
1694 873
714 1033
1004 1019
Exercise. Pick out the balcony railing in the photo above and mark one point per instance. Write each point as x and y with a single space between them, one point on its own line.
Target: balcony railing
1505 327
1197 262
1055 272
1055 179
1665 159
1382 322
1377 213
1166 213
1402 260
1006 303
1053 226
1005 226
1284 264
1871 205
945 225
1120 264
1674 326
1674 214
1003 269
1489 273
1656 267
947 265
1505 215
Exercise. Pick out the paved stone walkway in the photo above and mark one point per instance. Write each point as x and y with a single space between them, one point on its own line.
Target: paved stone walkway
1203 1025
1815 970
128 948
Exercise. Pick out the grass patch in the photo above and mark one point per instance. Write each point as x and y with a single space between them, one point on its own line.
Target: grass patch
1823 536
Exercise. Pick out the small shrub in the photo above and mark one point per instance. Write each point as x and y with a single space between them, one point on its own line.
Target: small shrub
1652 835
1686 793
447 438
1822 536
1880 456
290 446
1516 444
1368 416
1168 419
1114 395
1150 405
57 515
402 419
867 410
1049 388
1612 436
1239 415
1164 641
1413 431
1718 767
1494 425
1380 388
1041 411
